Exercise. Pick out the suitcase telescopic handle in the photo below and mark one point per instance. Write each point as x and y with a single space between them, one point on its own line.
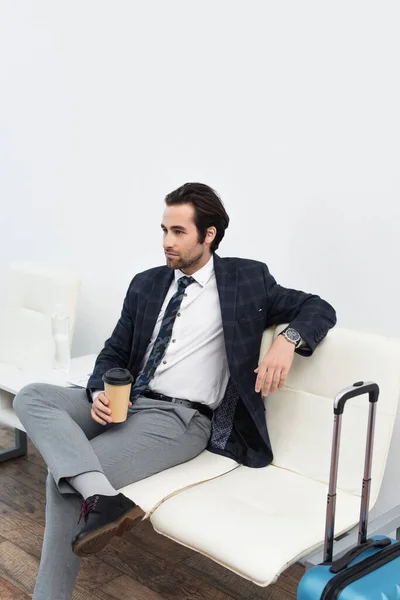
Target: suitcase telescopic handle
357 389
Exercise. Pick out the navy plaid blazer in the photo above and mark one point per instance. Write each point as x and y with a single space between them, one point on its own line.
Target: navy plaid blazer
251 301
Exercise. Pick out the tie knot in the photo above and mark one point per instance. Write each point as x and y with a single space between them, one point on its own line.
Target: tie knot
183 282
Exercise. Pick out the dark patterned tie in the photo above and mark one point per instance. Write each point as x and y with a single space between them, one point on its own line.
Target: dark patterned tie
163 338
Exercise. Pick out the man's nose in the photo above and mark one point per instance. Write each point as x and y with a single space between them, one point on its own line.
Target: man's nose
167 244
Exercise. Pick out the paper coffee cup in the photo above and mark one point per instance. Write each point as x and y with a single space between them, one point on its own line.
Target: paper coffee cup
117 387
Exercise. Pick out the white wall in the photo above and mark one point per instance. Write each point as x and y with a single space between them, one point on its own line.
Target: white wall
289 109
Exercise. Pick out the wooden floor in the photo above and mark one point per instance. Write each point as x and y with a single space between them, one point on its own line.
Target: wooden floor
140 566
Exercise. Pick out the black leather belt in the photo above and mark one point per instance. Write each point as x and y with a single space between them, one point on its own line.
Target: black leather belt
202 408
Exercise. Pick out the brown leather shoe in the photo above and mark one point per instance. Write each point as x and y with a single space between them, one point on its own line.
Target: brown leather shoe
105 517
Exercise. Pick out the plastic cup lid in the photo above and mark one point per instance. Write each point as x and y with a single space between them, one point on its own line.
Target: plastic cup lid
117 376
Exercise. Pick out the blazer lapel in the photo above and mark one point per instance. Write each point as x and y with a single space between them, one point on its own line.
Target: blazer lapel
226 277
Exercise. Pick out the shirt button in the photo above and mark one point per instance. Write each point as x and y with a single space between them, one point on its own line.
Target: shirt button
173 341
185 294
164 362
178 315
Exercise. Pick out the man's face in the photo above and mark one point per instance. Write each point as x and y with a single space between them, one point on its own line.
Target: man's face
181 240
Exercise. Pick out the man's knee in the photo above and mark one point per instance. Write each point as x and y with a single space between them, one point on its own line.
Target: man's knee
27 396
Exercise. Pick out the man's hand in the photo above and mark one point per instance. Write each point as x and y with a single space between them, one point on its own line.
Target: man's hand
100 413
273 369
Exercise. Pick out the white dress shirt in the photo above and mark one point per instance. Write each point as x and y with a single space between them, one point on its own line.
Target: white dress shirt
194 366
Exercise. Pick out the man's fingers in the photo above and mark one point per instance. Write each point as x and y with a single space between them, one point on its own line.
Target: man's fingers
275 380
268 381
101 411
103 398
283 378
260 378
105 416
96 418
100 405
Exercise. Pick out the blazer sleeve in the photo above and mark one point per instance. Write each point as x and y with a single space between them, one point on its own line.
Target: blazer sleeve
311 316
117 348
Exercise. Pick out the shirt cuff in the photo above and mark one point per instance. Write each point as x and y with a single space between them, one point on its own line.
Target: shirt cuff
96 393
301 343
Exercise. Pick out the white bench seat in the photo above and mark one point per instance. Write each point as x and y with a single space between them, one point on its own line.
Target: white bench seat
149 493
255 522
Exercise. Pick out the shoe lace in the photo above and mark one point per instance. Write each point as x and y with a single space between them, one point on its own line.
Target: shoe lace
87 507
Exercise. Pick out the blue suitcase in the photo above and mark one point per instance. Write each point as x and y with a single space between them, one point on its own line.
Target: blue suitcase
370 570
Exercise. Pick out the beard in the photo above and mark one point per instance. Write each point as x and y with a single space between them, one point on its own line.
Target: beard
185 262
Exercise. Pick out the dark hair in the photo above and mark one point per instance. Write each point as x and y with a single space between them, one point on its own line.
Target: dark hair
208 209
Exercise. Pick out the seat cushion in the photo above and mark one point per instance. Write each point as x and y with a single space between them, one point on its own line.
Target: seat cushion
255 522
150 492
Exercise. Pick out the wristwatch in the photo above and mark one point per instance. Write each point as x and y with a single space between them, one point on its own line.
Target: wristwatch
291 335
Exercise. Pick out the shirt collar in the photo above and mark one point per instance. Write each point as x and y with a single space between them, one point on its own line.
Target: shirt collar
203 275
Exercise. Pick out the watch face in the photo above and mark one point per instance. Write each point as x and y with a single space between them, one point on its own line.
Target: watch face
292 334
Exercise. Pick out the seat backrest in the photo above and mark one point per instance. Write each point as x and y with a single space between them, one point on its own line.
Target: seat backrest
300 416
32 292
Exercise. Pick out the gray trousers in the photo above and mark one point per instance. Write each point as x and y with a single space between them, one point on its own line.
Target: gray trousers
156 435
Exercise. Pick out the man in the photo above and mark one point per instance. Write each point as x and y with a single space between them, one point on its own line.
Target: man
190 330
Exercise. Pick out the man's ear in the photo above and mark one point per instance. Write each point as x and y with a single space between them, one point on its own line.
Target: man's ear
210 235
